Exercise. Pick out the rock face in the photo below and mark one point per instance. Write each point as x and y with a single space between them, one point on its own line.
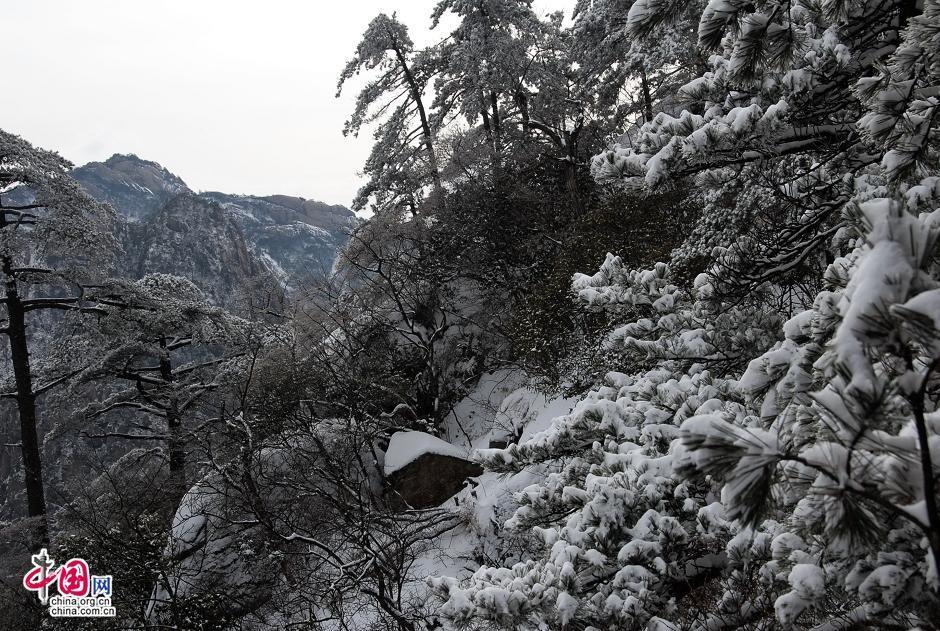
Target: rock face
213 552
195 238
170 228
218 545
430 480
296 237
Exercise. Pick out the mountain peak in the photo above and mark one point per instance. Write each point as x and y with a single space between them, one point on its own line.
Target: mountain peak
128 157
134 186
131 164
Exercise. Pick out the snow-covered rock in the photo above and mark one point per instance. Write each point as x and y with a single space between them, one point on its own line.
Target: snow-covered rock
406 447
424 471
212 551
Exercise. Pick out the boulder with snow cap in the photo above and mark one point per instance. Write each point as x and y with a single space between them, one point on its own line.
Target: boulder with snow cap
423 471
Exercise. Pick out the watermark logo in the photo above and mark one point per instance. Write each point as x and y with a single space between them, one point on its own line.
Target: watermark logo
80 594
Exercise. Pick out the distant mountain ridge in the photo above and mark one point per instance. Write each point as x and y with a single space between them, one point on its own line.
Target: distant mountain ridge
222 241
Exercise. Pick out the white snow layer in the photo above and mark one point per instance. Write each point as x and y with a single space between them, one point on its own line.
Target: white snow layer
406 447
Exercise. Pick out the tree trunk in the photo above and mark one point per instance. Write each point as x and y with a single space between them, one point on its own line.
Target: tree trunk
928 473
523 103
567 144
25 403
571 183
571 169
497 128
647 97
177 449
485 117
422 114
176 444
497 136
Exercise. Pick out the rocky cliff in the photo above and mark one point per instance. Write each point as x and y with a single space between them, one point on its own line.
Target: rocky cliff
221 241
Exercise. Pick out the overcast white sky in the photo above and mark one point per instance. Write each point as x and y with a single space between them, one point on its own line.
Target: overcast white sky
231 95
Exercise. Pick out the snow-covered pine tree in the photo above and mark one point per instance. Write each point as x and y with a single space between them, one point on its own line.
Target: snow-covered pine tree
799 491
170 350
483 64
56 243
403 161
623 535
634 77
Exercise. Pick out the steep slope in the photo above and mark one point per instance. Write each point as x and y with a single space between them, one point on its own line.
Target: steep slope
297 237
196 238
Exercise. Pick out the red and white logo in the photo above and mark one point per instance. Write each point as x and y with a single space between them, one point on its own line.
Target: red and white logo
80 593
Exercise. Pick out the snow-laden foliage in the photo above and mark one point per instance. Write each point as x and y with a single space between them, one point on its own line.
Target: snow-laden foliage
171 350
836 448
403 159
803 473
484 57
615 59
614 516
46 214
796 96
56 244
731 479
